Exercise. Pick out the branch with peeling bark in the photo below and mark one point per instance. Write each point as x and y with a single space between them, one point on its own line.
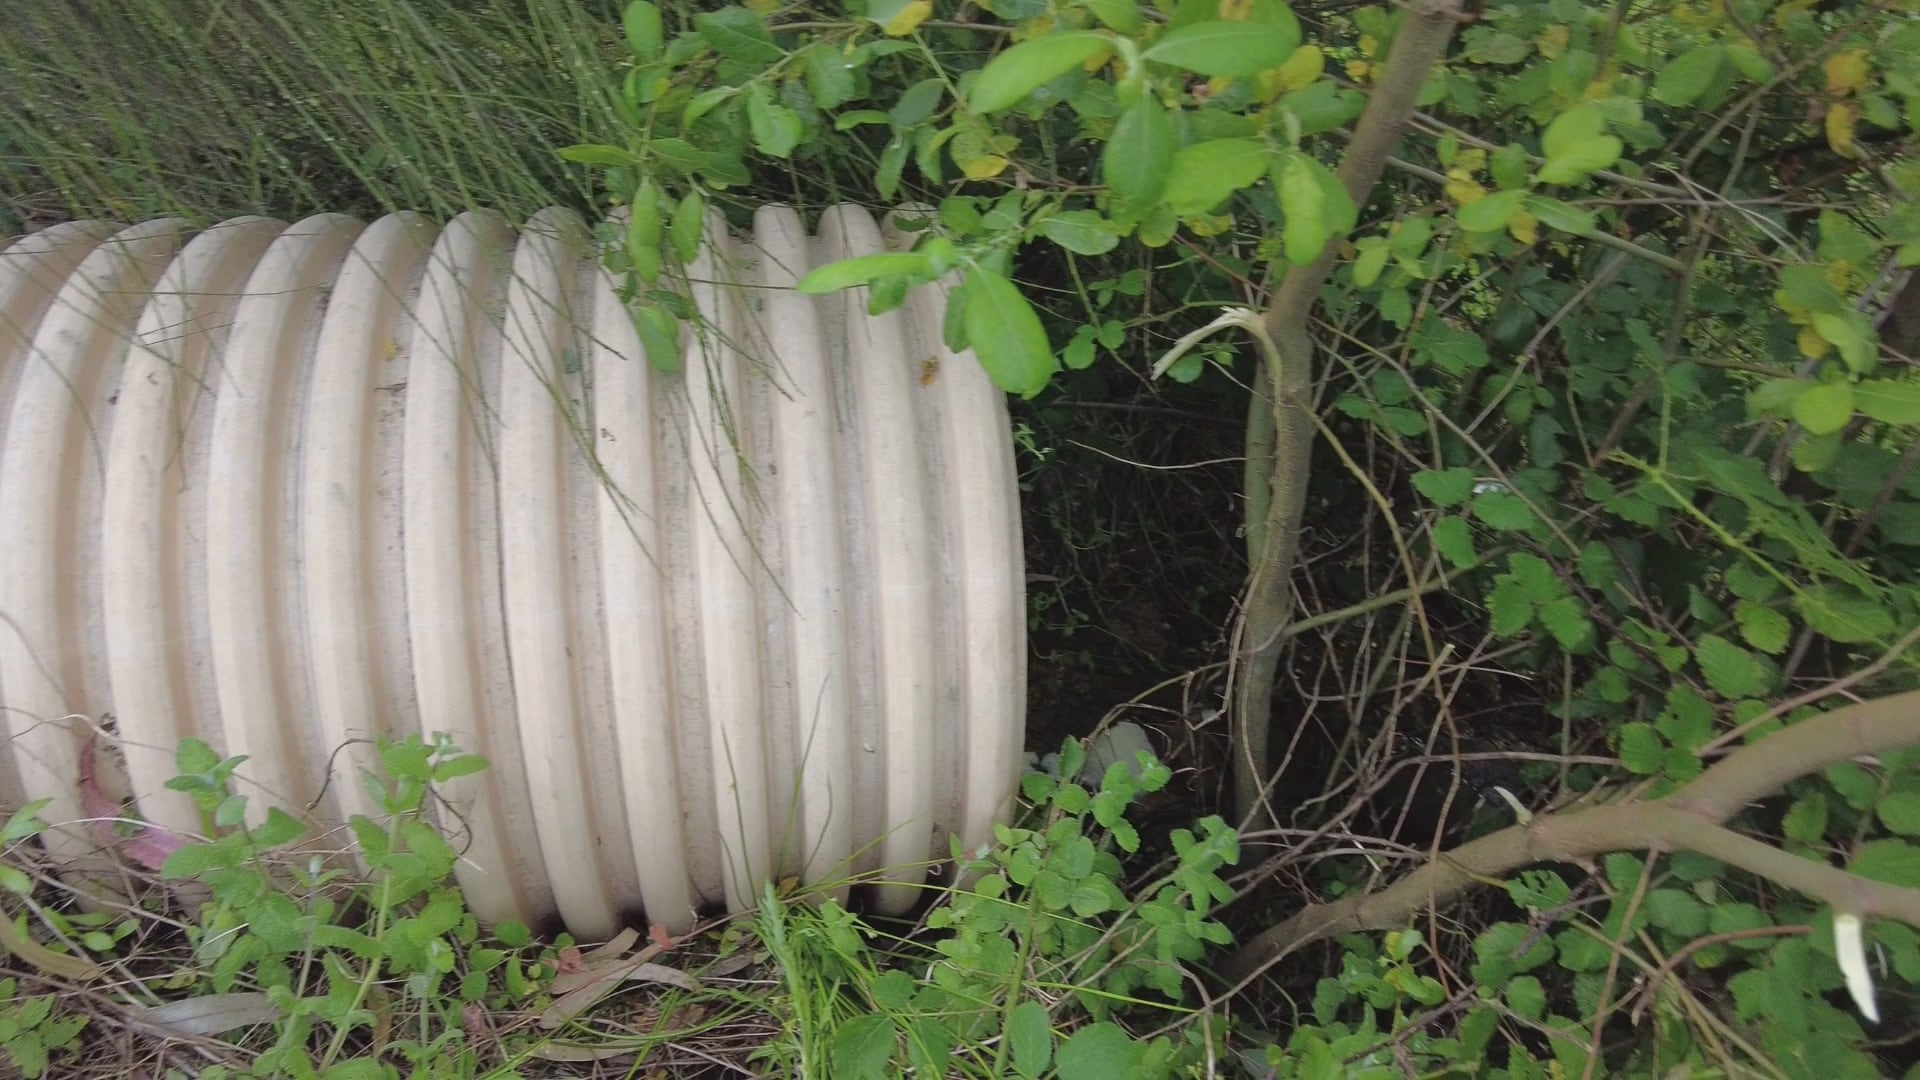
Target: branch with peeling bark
1692 818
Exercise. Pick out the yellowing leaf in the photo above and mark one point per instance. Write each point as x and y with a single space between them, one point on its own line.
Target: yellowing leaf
1464 189
1841 117
1523 227
1368 45
1846 72
1303 68
983 168
1357 70
1812 345
1552 41
1236 10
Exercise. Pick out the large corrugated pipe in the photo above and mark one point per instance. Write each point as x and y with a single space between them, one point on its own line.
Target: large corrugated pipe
286 487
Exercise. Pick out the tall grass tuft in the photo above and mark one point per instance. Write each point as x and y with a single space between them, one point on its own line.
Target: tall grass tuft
210 108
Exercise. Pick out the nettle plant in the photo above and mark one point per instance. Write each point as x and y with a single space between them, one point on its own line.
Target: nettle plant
1601 321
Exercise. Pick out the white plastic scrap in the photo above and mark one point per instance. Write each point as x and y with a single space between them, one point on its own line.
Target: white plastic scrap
1851 950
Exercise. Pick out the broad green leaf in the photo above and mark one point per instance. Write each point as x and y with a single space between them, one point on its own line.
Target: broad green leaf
645 36
1206 173
1750 63
1677 911
1577 125
1852 335
1490 213
1843 615
643 231
1228 49
1006 334
1563 216
1019 71
1030 1034
917 103
1641 748
863 1047
776 129
893 160
593 154
1445 487
1138 157
689 218
830 78
1120 15
1762 627
1371 261
1732 671
1888 401
1900 811
847 273
1083 232
1823 408
1098 1051
738 34
1453 539
898 18
1503 511
1577 160
1688 75
1892 861
659 335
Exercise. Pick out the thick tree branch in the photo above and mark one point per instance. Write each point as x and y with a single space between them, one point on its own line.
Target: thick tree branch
1693 818
1280 451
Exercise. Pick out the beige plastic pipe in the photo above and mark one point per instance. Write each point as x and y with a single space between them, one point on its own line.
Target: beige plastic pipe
287 487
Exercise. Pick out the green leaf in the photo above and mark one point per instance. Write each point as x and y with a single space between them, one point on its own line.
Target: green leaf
1641 748
776 129
1843 614
689 219
1205 174
1453 539
1228 49
644 33
1892 861
1823 408
1900 811
1852 335
1019 71
738 34
1031 1035
1688 75
659 335
1303 201
1503 511
1445 487
1139 157
1577 125
1581 158
1526 996
830 78
1083 232
1006 334
1762 627
595 154
848 273
1888 401
1732 671
1099 1051
1511 608
863 1047
917 103
1677 912
1372 260
1563 216
1491 213
1120 15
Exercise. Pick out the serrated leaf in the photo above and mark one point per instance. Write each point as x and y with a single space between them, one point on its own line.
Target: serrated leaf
1083 232
1730 670
1099 1051
1888 401
1823 408
1030 1034
1761 626
863 1047
831 82
1228 49
1006 334
1503 511
641 21
1688 75
738 34
1892 861
1526 996
1139 156
1445 487
1642 750
1843 614
1510 607
1205 174
1011 76
1677 912
1453 539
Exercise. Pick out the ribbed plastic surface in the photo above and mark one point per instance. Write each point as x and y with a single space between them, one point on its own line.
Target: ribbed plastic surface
284 487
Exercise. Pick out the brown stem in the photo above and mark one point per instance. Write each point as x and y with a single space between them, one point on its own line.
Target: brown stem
1419 44
1692 818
